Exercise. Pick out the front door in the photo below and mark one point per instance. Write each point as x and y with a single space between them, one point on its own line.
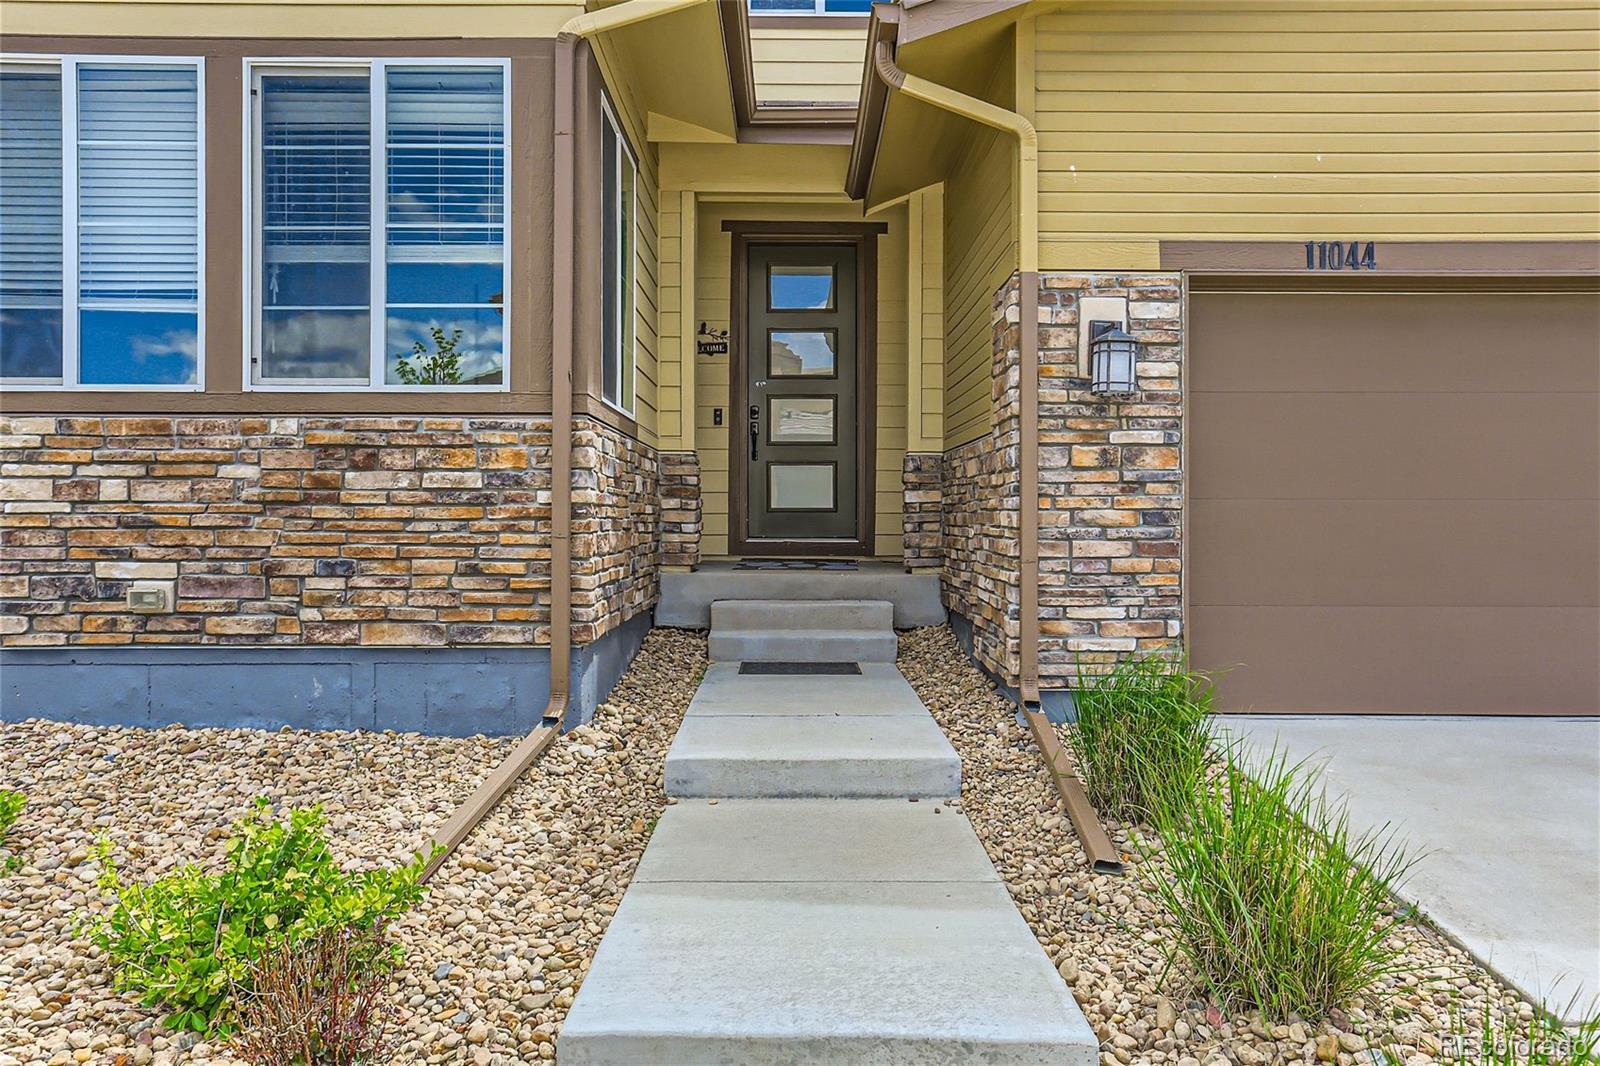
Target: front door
802 379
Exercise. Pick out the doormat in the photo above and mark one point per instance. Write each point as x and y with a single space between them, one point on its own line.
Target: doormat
789 668
795 564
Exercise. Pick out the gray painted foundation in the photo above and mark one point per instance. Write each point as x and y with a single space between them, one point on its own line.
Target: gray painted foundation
1056 702
454 691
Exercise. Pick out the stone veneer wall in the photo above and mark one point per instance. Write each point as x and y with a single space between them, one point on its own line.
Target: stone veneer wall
680 509
1110 486
980 486
922 480
1110 483
316 530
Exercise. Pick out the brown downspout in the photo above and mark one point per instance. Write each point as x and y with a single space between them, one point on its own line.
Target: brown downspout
563 300
1097 846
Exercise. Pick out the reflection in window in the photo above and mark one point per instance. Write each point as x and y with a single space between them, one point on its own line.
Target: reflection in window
138 225
446 224
115 178
792 287
800 353
811 7
439 289
617 250
802 419
316 226
30 223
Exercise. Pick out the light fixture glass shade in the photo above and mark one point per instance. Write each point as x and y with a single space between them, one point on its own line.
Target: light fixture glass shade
1112 355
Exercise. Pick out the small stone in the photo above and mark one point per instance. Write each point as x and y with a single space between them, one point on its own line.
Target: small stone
1166 1014
478 1034
1327 1048
1352 1042
1069 970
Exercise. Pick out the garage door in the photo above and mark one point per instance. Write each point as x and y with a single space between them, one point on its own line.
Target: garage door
1395 499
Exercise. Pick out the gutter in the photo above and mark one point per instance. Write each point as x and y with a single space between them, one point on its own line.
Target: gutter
1102 855
563 268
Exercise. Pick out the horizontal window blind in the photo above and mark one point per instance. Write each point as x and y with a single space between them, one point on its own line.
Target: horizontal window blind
138 187
30 174
383 269
444 223
100 163
316 225
446 164
30 223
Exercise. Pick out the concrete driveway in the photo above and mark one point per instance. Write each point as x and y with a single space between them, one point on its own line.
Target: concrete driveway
1508 811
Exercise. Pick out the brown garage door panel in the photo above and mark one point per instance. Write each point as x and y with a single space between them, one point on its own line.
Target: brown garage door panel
1393 445
1321 342
1443 553
1394 500
1400 660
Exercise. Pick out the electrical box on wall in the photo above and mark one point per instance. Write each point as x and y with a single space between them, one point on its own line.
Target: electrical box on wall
151 597
716 416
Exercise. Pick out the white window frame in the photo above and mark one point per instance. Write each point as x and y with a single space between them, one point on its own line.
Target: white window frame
378 253
627 302
71 352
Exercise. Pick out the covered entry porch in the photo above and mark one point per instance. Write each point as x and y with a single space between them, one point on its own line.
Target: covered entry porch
801 385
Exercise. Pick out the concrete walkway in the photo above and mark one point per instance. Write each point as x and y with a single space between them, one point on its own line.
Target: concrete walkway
1507 811
855 920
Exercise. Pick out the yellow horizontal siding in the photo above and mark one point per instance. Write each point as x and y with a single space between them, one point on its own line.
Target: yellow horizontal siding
1451 119
980 246
808 65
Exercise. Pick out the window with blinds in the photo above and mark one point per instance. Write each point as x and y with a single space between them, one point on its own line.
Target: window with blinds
100 223
403 289
618 174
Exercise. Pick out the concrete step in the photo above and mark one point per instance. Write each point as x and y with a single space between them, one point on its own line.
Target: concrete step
789 755
877 691
686 599
820 932
863 735
801 646
802 631
821 616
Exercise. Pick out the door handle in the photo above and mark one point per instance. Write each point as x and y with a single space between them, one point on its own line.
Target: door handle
755 432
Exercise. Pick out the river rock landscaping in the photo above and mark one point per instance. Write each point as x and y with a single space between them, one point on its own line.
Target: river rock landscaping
495 952
1107 934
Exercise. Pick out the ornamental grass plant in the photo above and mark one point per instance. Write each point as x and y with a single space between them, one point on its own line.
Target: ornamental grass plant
1141 729
1278 902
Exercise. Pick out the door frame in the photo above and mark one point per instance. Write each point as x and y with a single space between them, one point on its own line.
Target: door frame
863 237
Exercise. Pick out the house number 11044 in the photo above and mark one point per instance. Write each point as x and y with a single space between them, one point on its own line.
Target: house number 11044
1341 255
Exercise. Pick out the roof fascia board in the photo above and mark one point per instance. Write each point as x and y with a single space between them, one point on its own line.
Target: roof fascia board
932 17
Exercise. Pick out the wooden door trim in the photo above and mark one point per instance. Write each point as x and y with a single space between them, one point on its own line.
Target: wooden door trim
863 236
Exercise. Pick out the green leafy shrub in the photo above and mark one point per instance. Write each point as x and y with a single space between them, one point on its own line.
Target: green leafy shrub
1140 729
1279 903
11 804
442 366
320 1001
187 942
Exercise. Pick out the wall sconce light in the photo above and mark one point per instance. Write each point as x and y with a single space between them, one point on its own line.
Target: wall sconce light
1112 354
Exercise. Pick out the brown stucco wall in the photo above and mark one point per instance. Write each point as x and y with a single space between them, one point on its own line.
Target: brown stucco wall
529 229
